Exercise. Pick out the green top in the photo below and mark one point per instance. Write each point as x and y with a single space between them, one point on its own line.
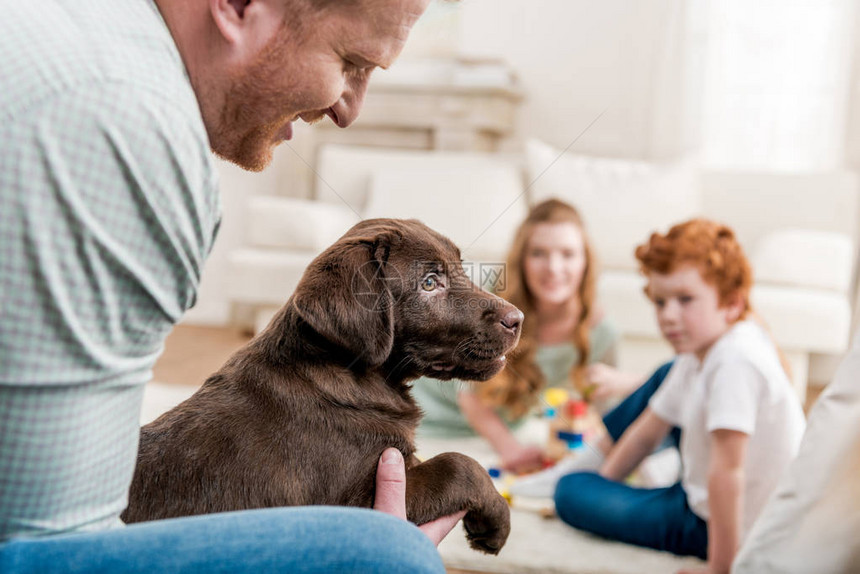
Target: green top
438 399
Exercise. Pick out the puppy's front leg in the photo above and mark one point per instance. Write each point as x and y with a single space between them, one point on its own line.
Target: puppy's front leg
451 482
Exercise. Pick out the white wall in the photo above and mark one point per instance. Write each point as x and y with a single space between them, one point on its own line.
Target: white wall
579 58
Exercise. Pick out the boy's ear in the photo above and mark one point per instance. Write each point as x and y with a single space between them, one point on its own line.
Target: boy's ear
734 307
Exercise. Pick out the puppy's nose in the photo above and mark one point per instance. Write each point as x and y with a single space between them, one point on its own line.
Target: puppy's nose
513 319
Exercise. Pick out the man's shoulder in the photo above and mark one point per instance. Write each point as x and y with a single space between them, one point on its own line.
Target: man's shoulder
58 48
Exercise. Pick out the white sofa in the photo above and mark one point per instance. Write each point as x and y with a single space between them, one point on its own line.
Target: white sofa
799 230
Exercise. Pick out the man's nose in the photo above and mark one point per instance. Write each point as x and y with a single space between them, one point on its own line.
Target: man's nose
347 108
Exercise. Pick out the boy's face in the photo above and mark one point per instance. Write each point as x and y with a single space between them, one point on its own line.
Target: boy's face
688 310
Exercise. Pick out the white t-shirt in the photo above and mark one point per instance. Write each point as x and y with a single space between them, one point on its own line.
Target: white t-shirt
739 386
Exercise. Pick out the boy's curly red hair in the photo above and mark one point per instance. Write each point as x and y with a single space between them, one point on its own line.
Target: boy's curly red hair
709 246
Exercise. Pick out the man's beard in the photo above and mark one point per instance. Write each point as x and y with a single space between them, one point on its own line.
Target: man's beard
243 135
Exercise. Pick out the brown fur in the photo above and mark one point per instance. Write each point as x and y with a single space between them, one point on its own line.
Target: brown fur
302 413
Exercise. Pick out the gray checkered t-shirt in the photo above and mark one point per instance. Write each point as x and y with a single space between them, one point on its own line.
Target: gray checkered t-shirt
108 208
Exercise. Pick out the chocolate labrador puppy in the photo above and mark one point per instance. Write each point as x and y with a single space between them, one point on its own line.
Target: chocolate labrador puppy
302 413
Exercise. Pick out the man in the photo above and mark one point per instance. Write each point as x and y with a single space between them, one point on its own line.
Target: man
108 209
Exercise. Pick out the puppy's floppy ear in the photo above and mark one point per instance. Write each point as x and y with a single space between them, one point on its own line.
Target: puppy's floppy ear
344 296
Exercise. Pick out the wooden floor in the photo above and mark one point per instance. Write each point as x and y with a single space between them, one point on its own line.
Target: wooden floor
191 353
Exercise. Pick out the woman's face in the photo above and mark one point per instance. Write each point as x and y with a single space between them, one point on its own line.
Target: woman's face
554 262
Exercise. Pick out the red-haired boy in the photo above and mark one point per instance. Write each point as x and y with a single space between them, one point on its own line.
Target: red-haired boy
727 391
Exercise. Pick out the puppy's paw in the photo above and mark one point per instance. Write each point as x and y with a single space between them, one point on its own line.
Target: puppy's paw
487 527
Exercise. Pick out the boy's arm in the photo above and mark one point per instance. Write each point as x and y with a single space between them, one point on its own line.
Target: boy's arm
514 456
635 444
725 497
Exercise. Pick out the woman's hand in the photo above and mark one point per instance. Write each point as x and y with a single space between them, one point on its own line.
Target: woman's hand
608 382
391 496
523 458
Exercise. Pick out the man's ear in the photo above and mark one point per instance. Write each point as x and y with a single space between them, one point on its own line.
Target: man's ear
247 24
344 296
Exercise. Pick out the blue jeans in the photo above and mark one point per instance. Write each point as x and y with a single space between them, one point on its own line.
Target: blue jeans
301 540
658 518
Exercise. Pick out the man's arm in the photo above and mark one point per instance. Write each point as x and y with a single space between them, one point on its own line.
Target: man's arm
639 441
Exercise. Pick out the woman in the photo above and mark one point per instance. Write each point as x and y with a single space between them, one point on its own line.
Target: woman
566 341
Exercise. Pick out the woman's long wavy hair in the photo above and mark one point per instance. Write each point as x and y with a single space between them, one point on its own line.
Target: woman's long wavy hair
516 388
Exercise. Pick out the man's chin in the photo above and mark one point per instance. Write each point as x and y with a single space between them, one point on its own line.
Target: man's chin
249 159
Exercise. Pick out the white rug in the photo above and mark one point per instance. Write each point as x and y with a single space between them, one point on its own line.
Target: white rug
539 545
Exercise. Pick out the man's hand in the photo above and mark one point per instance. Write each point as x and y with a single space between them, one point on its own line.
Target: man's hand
391 496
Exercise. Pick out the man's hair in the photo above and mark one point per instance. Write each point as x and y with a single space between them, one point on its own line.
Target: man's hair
710 247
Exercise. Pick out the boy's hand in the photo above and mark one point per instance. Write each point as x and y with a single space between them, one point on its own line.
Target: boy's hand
609 382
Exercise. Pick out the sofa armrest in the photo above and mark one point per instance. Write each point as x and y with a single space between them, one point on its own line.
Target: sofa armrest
297 224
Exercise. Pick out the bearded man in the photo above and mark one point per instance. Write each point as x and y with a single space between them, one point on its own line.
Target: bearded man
108 209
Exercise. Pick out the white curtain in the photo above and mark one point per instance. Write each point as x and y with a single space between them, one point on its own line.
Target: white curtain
776 83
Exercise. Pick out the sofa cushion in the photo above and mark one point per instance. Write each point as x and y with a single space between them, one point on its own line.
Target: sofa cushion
477 207
621 294
804 319
344 172
265 277
298 224
804 258
622 201
756 204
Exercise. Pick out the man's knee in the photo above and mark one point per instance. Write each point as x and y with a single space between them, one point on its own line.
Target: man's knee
399 546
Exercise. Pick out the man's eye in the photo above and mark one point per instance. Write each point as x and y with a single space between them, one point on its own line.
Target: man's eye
430 283
685 299
659 303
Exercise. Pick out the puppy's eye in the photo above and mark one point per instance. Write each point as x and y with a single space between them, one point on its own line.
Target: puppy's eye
429 283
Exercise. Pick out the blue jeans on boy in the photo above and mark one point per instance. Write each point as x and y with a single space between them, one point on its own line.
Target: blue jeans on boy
299 540
658 518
